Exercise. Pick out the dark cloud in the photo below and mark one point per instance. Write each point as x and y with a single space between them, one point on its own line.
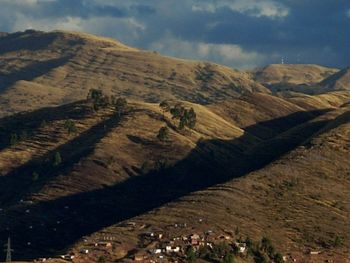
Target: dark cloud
252 32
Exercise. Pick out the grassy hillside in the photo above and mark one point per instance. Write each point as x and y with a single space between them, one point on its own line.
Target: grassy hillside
298 201
43 69
339 81
267 157
108 156
292 74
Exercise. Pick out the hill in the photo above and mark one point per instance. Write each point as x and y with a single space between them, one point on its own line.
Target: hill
44 69
302 78
292 74
267 156
339 81
298 201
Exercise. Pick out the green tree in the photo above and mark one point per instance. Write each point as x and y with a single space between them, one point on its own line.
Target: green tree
221 249
191 255
164 105
177 111
278 258
187 118
35 176
69 125
228 258
101 259
265 243
237 231
146 167
23 135
43 124
120 105
163 134
98 99
191 118
57 159
337 241
13 139
95 94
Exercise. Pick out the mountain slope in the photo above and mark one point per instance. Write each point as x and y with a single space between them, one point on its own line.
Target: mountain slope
338 81
260 161
42 69
292 74
299 201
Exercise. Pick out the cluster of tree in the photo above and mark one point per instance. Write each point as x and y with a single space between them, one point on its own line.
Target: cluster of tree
154 167
163 134
221 252
186 117
262 252
16 138
100 100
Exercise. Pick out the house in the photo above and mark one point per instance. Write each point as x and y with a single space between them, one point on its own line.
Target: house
140 256
157 251
130 224
84 251
209 244
194 239
176 249
242 247
67 257
170 249
153 235
103 244
315 252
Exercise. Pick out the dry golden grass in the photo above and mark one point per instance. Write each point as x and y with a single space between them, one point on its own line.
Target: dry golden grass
68 64
299 201
233 170
292 74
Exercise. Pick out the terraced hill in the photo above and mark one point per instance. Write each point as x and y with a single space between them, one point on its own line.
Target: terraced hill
307 79
43 69
292 74
259 162
339 81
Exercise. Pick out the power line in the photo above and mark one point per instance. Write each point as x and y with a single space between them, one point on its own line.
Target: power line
8 250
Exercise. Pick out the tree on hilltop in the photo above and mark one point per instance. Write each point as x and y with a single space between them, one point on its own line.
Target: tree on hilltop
163 134
120 105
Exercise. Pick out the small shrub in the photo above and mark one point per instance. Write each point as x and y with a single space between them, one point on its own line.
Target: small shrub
163 134
57 159
35 176
278 258
69 125
13 139
228 258
191 255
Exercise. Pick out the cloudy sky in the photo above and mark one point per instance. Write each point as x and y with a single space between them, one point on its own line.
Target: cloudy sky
237 33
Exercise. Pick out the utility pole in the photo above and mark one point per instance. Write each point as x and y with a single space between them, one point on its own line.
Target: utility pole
8 250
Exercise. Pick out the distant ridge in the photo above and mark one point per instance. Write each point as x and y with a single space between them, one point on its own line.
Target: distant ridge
338 81
292 73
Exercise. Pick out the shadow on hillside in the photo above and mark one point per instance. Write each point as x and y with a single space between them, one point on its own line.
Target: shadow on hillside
32 71
72 152
30 122
33 41
211 162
